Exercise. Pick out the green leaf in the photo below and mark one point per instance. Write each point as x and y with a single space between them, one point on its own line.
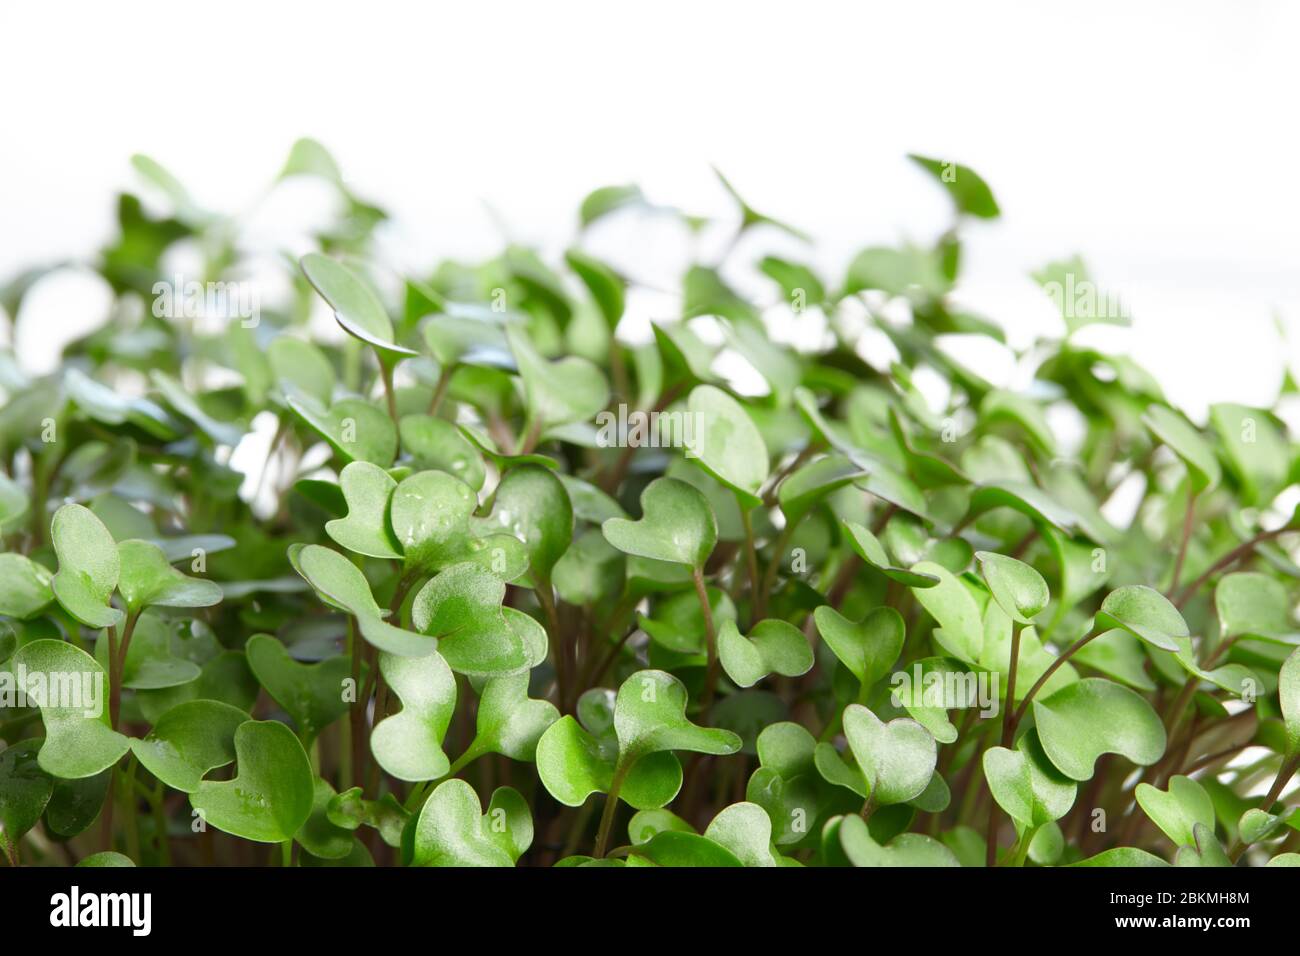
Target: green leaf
25 789
1026 785
532 504
573 763
1205 851
356 429
367 490
452 829
1288 695
1254 604
341 584
1094 716
1145 613
772 647
476 635
71 690
1122 856
870 550
105 858
746 832
24 587
408 744
650 716
148 580
868 648
88 566
1186 442
896 758
509 721
906 849
1257 454
1178 808
954 608
728 443
571 389
970 194
312 694
676 525
319 836
356 307
188 741
1019 590
271 796
439 445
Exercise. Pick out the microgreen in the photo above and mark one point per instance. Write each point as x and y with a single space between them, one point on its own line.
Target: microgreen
799 607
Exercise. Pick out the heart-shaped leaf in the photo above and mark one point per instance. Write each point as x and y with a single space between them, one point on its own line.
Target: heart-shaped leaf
1094 716
870 550
88 566
24 587
950 603
650 716
1254 604
509 721
430 517
367 490
476 635
868 648
341 584
356 429
728 443
676 525
906 849
408 744
896 758
148 580
745 830
772 647
25 789
1288 695
270 798
319 835
1026 785
356 307
188 741
437 444
1018 588
573 763
71 690
1172 429
531 504
571 389
1178 808
1206 849
1145 613
312 694
452 829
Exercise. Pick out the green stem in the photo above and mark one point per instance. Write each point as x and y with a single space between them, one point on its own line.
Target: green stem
1182 544
711 638
1038 684
757 598
1008 728
611 805
286 853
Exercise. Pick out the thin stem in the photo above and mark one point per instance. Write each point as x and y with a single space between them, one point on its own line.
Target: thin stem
531 437
611 805
757 598
286 853
1009 728
769 575
1284 775
386 373
1182 545
1038 684
1229 559
711 678
440 390
114 679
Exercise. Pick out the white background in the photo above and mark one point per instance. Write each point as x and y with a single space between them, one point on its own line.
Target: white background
1157 140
